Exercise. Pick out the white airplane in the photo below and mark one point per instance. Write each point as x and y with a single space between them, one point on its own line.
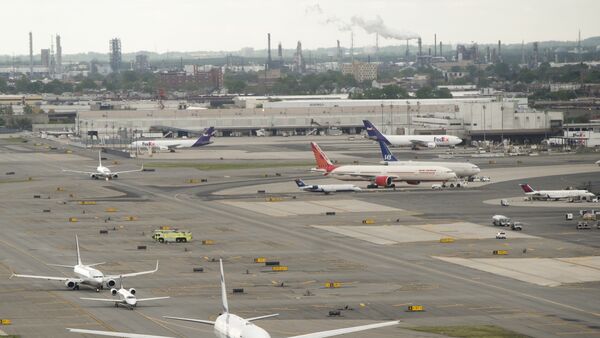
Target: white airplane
126 298
326 188
598 162
102 171
427 141
461 169
228 325
87 275
178 143
381 175
556 194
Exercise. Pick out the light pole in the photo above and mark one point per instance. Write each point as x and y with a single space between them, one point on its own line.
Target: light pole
502 123
484 126
382 116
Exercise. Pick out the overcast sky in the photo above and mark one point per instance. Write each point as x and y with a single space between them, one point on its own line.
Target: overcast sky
192 25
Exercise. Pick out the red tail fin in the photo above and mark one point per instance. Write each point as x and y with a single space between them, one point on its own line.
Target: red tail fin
323 161
526 188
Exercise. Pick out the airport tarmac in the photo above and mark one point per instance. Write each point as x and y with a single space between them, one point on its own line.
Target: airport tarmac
378 281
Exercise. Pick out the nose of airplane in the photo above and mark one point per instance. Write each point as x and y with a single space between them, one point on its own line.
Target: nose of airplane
131 301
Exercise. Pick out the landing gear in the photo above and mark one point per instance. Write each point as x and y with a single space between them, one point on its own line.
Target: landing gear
76 287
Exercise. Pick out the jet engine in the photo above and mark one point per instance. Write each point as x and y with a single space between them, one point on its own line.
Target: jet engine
132 291
94 176
71 284
113 292
111 283
115 176
383 181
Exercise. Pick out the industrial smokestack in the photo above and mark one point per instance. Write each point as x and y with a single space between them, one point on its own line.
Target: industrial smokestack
434 44
441 54
339 51
58 55
269 49
420 49
280 51
500 50
30 54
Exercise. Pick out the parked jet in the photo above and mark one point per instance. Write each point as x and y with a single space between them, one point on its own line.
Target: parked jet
326 188
179 143
598 162
228 325
381 175
556 194
87 275
102 171
462 169
126 297
414 141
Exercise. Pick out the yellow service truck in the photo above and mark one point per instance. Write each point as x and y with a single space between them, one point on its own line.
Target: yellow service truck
171 235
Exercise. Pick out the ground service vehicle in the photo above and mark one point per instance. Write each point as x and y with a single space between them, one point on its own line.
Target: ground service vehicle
501 235
501 220
172 235
516 226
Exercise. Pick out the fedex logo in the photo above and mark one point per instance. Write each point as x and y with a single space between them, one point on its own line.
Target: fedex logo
148 144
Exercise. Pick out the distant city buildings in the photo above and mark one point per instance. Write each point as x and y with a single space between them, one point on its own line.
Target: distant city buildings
361 71
192 76
115 55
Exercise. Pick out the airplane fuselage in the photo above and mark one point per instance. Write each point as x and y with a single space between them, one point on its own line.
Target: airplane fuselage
429 140
407 173
560 194
328 188
89 276
460 169
231 326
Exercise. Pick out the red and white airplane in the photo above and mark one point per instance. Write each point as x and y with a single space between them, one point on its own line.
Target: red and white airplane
381 175
556 194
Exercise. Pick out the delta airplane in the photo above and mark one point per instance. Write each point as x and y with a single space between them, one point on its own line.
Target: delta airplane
126 298
414 141
381 175
228 325
326 188
102 171
87 275
555 194
462 169
172 144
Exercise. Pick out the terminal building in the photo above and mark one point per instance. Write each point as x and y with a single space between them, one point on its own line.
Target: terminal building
471 119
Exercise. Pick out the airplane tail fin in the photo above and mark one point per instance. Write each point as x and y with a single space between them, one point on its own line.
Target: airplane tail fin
373 133
300 183
223 289
78 253
526 188
323 161
386 153
205 137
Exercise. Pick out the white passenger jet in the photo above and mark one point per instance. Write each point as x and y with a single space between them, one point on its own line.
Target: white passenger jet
102 171
228 325
461 169
326 188
126 297
556 194
414 141
381 175
86 274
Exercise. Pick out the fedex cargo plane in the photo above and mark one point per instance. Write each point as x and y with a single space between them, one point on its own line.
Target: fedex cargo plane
172 144
414 141
556 194
381 175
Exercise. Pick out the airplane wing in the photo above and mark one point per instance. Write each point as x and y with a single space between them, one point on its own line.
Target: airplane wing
207 322
106 278
80 172
418 143
147 299
62 279
372 176
338 332
262 317
128 171
102 299
115 334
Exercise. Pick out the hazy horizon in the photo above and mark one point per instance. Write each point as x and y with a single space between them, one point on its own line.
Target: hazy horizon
230 25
